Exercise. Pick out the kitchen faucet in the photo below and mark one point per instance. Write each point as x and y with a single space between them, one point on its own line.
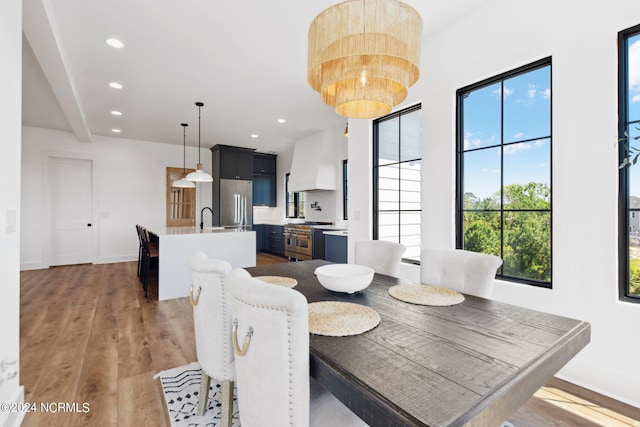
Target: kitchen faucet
202 215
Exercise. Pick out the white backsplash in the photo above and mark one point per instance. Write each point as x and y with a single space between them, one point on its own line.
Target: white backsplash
327 202
268 215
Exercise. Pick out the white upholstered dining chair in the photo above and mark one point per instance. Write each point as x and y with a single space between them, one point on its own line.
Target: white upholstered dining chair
212 321
468 272
272 359
384 257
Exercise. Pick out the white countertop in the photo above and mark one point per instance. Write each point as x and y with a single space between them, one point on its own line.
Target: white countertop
166 231
342 233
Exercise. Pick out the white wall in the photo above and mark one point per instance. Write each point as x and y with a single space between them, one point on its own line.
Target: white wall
128 189
583 44
360 151
10 119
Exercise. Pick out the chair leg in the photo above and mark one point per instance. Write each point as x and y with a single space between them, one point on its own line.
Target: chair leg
227 404
204 394
140 262
145 275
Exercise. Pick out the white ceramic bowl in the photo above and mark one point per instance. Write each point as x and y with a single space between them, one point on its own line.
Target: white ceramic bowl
347 278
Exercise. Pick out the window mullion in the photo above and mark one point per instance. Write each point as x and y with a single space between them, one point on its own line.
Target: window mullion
502 174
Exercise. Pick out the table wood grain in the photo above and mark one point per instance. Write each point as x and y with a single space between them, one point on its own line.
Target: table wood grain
471 364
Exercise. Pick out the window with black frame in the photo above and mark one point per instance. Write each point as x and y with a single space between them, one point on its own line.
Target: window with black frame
629 129
503 200
345 182
294 201
397 150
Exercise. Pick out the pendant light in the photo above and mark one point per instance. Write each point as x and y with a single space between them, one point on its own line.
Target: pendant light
183 183
363 55
199 175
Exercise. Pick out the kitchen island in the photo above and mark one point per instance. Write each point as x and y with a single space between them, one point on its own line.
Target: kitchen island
237 246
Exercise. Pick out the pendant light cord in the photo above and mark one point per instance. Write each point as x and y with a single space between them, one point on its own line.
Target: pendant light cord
184 148
199 104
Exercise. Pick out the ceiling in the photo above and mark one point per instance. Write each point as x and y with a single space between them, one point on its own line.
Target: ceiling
245 60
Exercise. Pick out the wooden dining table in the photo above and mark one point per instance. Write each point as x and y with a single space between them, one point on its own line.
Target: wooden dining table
469 364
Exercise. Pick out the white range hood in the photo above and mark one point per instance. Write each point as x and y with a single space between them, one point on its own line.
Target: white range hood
313 167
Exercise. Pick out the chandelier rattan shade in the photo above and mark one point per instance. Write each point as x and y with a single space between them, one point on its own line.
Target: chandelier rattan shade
363 55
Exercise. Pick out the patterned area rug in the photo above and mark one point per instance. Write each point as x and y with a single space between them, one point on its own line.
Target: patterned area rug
181 390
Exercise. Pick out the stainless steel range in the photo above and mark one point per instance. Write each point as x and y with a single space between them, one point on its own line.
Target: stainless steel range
298 240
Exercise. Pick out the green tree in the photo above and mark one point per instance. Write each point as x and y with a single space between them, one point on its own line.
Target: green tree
634 276
526 235
482 232
527 242
533 195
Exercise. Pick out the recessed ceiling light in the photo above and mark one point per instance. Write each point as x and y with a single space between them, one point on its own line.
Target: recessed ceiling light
254 135
115 85
116 113
116 130
282 121
114 43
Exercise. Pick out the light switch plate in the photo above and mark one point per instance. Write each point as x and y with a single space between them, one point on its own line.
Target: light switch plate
10 221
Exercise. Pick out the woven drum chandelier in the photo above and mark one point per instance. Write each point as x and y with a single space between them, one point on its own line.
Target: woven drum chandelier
363 55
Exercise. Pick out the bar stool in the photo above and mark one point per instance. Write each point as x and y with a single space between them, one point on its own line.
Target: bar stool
140 250
150 254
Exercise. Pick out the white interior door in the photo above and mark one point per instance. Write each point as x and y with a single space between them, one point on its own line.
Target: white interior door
70 183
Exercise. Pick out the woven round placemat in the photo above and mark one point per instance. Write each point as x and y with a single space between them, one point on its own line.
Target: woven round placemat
287 282
426 295
341 319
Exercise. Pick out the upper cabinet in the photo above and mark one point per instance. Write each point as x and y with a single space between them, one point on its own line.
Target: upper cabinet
264 180
235 162
264 163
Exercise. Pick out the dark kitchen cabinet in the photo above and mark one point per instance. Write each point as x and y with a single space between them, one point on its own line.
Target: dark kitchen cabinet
264 163
264 180
227 162
335 248
235 162
274 239
259 229
318 242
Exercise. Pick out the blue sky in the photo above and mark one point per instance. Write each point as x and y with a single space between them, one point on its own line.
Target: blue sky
527 118
634 106
634 78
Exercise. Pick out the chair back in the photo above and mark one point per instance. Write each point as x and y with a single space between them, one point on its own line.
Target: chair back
212 316
143 234
468 272
384 257
272 377
139 231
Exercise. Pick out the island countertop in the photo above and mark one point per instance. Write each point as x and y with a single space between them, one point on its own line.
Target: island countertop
167 231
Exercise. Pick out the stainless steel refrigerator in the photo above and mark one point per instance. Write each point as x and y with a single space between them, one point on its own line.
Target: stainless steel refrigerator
235 203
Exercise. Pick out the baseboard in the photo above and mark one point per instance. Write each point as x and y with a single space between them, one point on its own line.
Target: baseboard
32 266
102 260
15 418
598 390
114 259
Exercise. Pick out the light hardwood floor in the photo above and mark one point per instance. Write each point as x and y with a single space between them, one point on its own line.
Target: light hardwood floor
89 335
